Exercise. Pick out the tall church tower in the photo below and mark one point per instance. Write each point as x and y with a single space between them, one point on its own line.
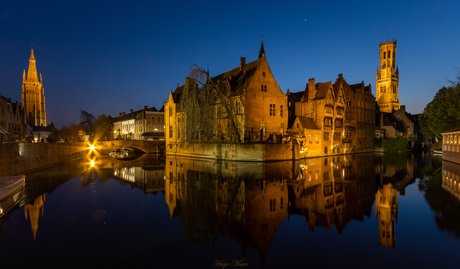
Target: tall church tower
33 95
387 79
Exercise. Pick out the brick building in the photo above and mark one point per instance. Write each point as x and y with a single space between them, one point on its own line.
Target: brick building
253 94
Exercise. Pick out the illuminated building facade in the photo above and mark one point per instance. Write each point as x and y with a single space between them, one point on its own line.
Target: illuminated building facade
387 78
33 95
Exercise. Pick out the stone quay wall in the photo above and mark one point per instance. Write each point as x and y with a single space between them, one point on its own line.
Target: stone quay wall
237 152
21 158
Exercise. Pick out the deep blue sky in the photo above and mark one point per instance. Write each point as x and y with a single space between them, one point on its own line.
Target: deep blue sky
112 56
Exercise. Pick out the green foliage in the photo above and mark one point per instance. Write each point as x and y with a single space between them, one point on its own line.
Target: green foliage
395 144
442 113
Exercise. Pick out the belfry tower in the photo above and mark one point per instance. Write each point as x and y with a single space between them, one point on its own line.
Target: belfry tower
387 80
33 95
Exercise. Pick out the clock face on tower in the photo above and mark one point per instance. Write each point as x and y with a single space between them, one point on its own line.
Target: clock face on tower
384 66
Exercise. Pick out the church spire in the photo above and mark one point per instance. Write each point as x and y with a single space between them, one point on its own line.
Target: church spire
262 50
32 73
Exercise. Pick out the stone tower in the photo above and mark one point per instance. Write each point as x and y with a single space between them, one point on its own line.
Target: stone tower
387 79
33 95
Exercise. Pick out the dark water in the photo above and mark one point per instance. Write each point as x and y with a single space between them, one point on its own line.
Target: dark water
356 211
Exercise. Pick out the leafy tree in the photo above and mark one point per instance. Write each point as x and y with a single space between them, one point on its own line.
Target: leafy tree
442 113
102 128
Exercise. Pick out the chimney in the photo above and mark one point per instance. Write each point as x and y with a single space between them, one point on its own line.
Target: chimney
242 62
340 75
403 108
131 111
311 89
381 120
124 113
121 114
146 107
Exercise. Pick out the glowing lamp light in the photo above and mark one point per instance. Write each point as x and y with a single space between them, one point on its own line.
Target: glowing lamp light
92 147
92 163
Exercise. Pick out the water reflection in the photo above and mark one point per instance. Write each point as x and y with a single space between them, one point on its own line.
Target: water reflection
386 211
249 202
33 210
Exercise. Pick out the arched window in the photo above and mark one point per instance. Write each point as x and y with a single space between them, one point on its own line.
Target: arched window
389 54
384 55
158 119
325 150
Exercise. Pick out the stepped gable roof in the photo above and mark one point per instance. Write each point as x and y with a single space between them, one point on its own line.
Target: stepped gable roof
238 79
321 89
308 123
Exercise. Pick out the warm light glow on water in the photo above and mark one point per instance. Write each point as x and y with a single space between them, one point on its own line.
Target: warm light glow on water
359 208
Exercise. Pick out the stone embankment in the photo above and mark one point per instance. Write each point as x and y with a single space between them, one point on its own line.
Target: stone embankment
21 158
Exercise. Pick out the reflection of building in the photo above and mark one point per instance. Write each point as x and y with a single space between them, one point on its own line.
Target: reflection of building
334 190
33 95
150 179
451 178
387 79
386 211
227 195
33 210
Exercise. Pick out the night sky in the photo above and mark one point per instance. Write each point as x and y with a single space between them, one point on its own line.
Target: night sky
112 56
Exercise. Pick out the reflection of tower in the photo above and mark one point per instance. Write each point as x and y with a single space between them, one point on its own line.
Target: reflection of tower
387 80
34 211
33 95
386 210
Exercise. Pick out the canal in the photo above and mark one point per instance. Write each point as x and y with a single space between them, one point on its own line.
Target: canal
360 211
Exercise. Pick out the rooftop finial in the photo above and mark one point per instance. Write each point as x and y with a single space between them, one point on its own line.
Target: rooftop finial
262 50
262 34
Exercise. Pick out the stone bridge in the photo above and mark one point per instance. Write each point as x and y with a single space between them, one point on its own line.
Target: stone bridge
105 147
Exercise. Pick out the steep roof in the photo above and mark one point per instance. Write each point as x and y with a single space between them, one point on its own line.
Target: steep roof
308 123
238 78
321 89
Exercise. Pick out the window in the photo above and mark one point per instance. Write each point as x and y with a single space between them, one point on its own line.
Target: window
262 128
297 125
272 205
326 137
272 109
339 111
170 111
341 99
407 126
336 136
281 111
348 103
170 131
338 123
263 74
239 108
158 119
394 89
281 203
327 122
263 88
329 109
389 54
289 104
309 138
348 133
384 55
